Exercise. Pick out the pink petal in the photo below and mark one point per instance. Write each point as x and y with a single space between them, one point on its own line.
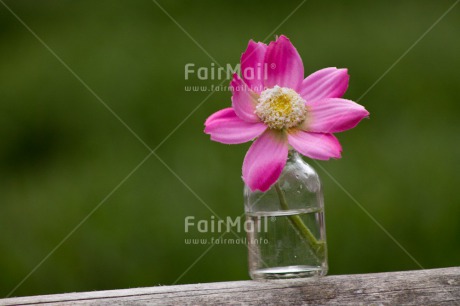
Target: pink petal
252 65
226 127
333 115
325 83
284 65
219 115
315 145
244 100
265 160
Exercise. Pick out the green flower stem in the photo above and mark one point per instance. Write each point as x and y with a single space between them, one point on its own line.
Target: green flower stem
298 224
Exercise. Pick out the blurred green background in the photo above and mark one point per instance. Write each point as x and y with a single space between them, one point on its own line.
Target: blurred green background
62 152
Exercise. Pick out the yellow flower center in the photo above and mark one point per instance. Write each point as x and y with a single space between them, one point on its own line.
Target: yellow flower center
281 108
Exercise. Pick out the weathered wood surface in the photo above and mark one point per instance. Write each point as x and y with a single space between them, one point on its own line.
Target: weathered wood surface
422 287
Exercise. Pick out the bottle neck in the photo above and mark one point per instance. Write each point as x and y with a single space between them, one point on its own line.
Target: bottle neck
293 155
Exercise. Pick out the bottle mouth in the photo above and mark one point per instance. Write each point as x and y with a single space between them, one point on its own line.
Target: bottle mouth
292 153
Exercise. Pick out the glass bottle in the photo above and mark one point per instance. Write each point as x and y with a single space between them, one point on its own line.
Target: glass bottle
285 225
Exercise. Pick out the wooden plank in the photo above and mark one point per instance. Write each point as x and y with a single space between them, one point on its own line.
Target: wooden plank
422 287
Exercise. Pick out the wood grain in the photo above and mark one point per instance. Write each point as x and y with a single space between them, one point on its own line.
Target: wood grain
422 287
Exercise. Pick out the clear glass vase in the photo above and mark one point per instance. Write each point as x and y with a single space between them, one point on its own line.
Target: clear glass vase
286 229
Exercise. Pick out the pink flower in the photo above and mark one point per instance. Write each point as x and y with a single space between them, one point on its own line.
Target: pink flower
275 105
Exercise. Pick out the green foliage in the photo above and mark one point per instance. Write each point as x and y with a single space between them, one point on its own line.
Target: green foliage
62 152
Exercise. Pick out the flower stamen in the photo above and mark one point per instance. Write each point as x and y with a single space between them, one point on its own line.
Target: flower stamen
281 108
